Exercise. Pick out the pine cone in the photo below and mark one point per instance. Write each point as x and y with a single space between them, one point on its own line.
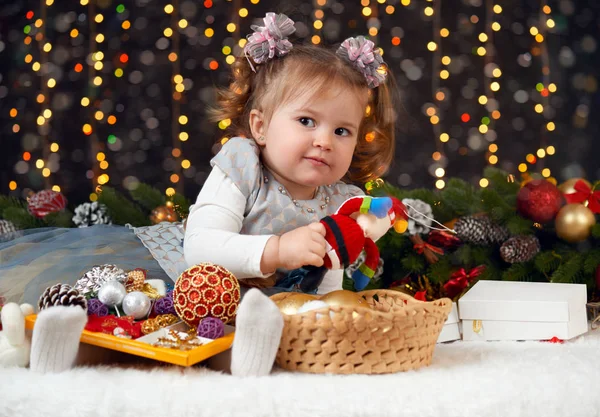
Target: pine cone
520 249
498 234
89 214
8 230
61 295
422 212
471 229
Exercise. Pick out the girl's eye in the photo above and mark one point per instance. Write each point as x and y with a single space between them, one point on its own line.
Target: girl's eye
307 121
342 131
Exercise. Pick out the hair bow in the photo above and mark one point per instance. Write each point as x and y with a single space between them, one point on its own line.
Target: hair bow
363 55
269 40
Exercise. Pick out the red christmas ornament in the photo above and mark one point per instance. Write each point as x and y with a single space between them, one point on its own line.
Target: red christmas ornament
45 202
206 290
540 201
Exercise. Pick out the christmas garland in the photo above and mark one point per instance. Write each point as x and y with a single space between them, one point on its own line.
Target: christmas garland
530 230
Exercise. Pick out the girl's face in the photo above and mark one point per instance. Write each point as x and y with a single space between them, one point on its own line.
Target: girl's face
310 141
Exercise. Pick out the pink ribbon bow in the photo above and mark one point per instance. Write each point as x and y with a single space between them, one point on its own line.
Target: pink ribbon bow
269 40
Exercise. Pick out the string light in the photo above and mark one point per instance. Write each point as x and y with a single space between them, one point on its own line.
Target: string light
434 113
178 119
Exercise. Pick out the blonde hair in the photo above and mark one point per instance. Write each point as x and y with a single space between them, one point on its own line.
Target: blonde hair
316 70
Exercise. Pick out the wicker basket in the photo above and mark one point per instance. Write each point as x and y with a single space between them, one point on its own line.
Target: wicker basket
398 333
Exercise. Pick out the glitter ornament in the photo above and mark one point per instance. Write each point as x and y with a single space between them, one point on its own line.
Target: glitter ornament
164 214
574 223
92 280
211 328
206 290
136 304
61 295
46 201
164 305
540 201
112 293
95 307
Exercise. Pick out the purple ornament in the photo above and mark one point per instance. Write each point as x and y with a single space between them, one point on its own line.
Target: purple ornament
96 307
164 305
211 328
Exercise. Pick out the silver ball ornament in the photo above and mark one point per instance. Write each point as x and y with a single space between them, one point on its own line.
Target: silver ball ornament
111 293
136 304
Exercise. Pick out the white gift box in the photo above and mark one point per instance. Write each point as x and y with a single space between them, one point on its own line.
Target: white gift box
451 329
501 310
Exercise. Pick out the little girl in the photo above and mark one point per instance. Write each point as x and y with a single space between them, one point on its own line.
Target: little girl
303 121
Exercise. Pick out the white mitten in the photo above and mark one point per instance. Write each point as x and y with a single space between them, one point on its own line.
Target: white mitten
15 347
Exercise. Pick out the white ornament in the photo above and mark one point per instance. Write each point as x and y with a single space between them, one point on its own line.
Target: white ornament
136 304
111 293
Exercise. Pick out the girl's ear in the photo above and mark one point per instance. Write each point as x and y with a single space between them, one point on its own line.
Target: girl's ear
256 120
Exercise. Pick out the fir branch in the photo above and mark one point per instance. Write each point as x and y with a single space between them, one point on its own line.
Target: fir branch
480 255
8 201
21 218
182 205
596 231
491 272
121 210
414 263
518 225
461 197
547 261
439 272
499 182
60 219
518 272
570 271
463 256
147 196
495 206
592 260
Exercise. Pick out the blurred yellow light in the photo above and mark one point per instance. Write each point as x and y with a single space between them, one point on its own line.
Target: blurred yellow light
51 83
85 101
440 172
183 23
97 80
432 46
183 119
230 59
446 60
93 197
74 33
493 159
541 153
496 26
49 2
434 120
47 47
126 24
185 164
179 88
539 38
39 164
522 167
84 2
12 185
170 192
495 86
28 58
428 11
550 23
56 188
534 31
46 172
47 113
100 156
483 37
539 108
444 74
444 137
484 182
231 27
98 65
493 148
99 38
242 42
316 39
98 56
552 87
99 18
317 24
168 32
36 66
243 12
550 126
550 150
38 23
405 2
546 172
444 33
169 9
98 115
40 120
373 31
481 51
178 79
209 32
439 184
54 147
497 9
482 100
483 128
366 11
183 136
226 50
496 72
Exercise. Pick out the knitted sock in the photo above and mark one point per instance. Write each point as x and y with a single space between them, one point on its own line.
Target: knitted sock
55 339
258 328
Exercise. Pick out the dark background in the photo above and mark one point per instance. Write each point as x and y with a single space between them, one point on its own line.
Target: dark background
143 146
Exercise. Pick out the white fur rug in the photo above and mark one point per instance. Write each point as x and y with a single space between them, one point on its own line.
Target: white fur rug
465 379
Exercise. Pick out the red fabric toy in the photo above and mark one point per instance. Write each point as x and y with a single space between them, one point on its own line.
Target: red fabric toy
357 224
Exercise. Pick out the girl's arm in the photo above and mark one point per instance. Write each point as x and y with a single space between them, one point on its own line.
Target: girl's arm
213 230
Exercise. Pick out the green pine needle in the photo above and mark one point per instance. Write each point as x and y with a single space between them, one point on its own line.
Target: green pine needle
147 196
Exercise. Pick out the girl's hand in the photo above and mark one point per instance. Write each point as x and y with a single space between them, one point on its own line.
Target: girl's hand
302 246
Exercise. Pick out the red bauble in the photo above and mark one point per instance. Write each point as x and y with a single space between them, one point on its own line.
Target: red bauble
206 290
45 202
540 201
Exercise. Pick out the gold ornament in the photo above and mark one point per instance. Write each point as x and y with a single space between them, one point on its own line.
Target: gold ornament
291 304
163 214
175 340
344 298
164 320
573 223
568 187
135 280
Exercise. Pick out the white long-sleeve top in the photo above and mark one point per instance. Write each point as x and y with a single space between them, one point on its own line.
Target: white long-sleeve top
213 233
